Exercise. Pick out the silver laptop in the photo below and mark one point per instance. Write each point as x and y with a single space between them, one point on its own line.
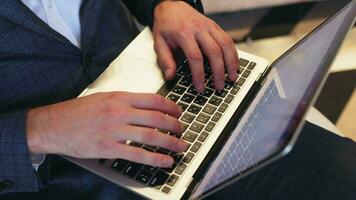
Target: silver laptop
253 122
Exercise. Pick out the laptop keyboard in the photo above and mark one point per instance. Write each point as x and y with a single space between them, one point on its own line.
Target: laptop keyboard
201 112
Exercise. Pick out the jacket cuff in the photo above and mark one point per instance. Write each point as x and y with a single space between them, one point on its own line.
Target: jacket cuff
16 171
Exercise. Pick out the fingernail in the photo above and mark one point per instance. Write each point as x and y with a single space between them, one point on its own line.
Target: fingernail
182 127
185 146
234 77
168 161
180 111
166 73
201 88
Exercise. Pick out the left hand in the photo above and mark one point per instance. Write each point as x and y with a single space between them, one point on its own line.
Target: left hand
178 25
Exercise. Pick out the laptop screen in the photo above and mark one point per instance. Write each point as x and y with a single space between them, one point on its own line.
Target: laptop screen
268 128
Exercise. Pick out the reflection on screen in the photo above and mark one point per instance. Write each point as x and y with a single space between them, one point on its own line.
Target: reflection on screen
263 130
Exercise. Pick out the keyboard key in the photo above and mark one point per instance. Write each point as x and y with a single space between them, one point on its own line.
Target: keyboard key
243 62
228 85
216 117
182 105
187 98
209 126
172 180
215 101
144 176
210 84
166 189
196 146
203 118
229 98
177 157
196 127
223 107
192 90
132 169
235 89
187 117
173 97
183 70
240 81
200 100
246 73
150 169
179 90
170 169
194 109
202 137
159 179
180 168
185 126
209 109
207 76
186 81
207 92
188 157
251 65
221 93
190 136
119 164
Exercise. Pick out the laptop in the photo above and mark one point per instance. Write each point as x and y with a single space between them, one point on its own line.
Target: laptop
253 122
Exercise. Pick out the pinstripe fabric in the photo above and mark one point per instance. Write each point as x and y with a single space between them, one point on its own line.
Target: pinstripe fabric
38 66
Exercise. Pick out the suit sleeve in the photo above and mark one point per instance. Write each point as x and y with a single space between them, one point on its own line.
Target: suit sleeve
142 10
16 170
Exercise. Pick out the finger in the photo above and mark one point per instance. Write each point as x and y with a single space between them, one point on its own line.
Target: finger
155 119
165 57
195 58
229 52
154 102
151 137
139 155
213 52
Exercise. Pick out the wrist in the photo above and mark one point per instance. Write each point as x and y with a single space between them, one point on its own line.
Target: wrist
34 130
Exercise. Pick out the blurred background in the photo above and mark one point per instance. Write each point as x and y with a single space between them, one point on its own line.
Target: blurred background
269 28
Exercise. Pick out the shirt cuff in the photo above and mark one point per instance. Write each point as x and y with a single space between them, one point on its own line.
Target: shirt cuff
37 160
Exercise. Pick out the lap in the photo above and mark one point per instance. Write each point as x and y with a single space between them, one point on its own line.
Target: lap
322 165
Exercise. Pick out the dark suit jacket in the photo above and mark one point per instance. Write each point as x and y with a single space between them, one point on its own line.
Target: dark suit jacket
38 66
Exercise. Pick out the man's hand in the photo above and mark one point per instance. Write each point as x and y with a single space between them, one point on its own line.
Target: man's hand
97 126
178 25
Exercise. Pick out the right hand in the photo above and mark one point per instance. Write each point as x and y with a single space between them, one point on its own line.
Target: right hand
98 125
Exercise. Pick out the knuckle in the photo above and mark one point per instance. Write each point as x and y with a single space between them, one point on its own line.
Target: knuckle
195 55
215 51
164 62
182 34
227 42
157 118
147 135
117 113
137 155
177 126
115 95
158 100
